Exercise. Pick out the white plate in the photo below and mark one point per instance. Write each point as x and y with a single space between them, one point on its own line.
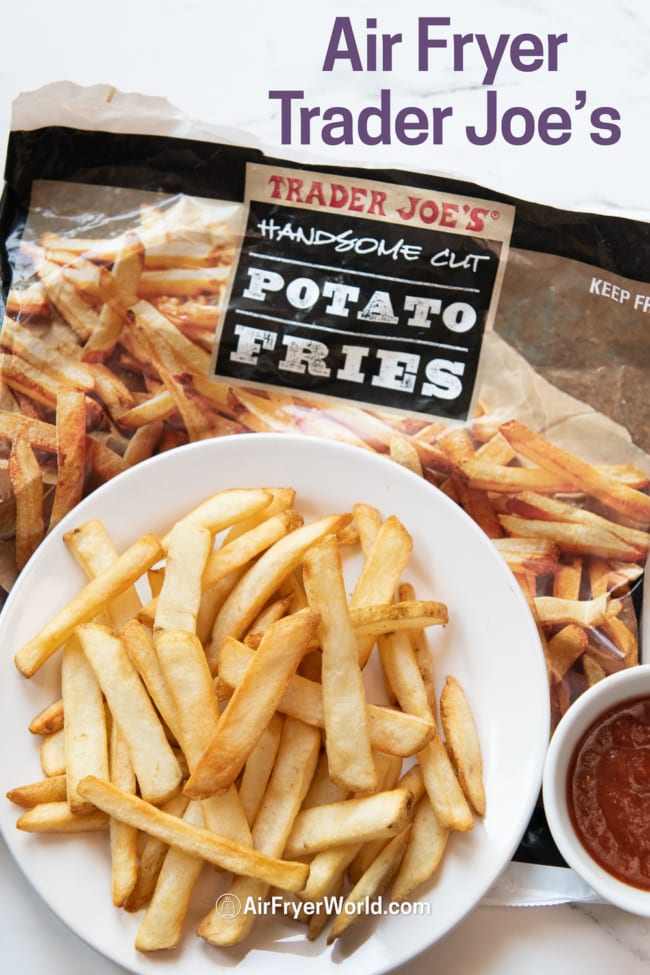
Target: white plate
490 644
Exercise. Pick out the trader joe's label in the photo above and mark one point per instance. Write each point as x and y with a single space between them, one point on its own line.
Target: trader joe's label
355 290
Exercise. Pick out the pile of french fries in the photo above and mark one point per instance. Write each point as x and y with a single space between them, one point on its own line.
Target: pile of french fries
105 358
225 702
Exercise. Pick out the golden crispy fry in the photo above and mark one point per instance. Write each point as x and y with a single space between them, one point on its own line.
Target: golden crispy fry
350 821
56 817
52 753
85 730
162 924
36 382
87 603
258 768
48 720
418 639
425 846
370 885
344 700
390 730
93 549
463 742
157 770
407 614
533 505
327 867
152 857
247 546
252 705
139 645
196 841
227 508
28 301
381 572
45 790
260 582
292 772
61 293
123 838
188 547
187 677
404 676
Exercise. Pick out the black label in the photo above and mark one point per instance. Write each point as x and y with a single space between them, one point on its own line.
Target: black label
356 309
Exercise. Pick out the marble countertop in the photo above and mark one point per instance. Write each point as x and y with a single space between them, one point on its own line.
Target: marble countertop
218 65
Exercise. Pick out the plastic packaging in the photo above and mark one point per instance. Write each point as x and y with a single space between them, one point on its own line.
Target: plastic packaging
162 285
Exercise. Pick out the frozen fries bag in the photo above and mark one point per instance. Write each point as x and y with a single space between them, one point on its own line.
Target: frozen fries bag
162 286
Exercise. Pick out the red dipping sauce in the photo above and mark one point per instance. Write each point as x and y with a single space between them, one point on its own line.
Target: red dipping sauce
608 791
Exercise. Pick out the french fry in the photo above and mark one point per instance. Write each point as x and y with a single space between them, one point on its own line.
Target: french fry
405 678
162 924
93 549
381 572
534 505
41 436
226 508
403 452
252 705
57 817
344 701
372 883
157 770
411 780
463 742
350 821
139 645
35 793
197 841
152 857
123 839
187 678
418 639
188 547
258 768
425 846
85 730
52 754
48 720
295 763
327 867
90 601
249 545
390 730
260 582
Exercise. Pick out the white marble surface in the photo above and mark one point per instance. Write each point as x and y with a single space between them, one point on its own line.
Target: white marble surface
217 64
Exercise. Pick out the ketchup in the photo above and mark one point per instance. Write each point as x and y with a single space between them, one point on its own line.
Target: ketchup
608 791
